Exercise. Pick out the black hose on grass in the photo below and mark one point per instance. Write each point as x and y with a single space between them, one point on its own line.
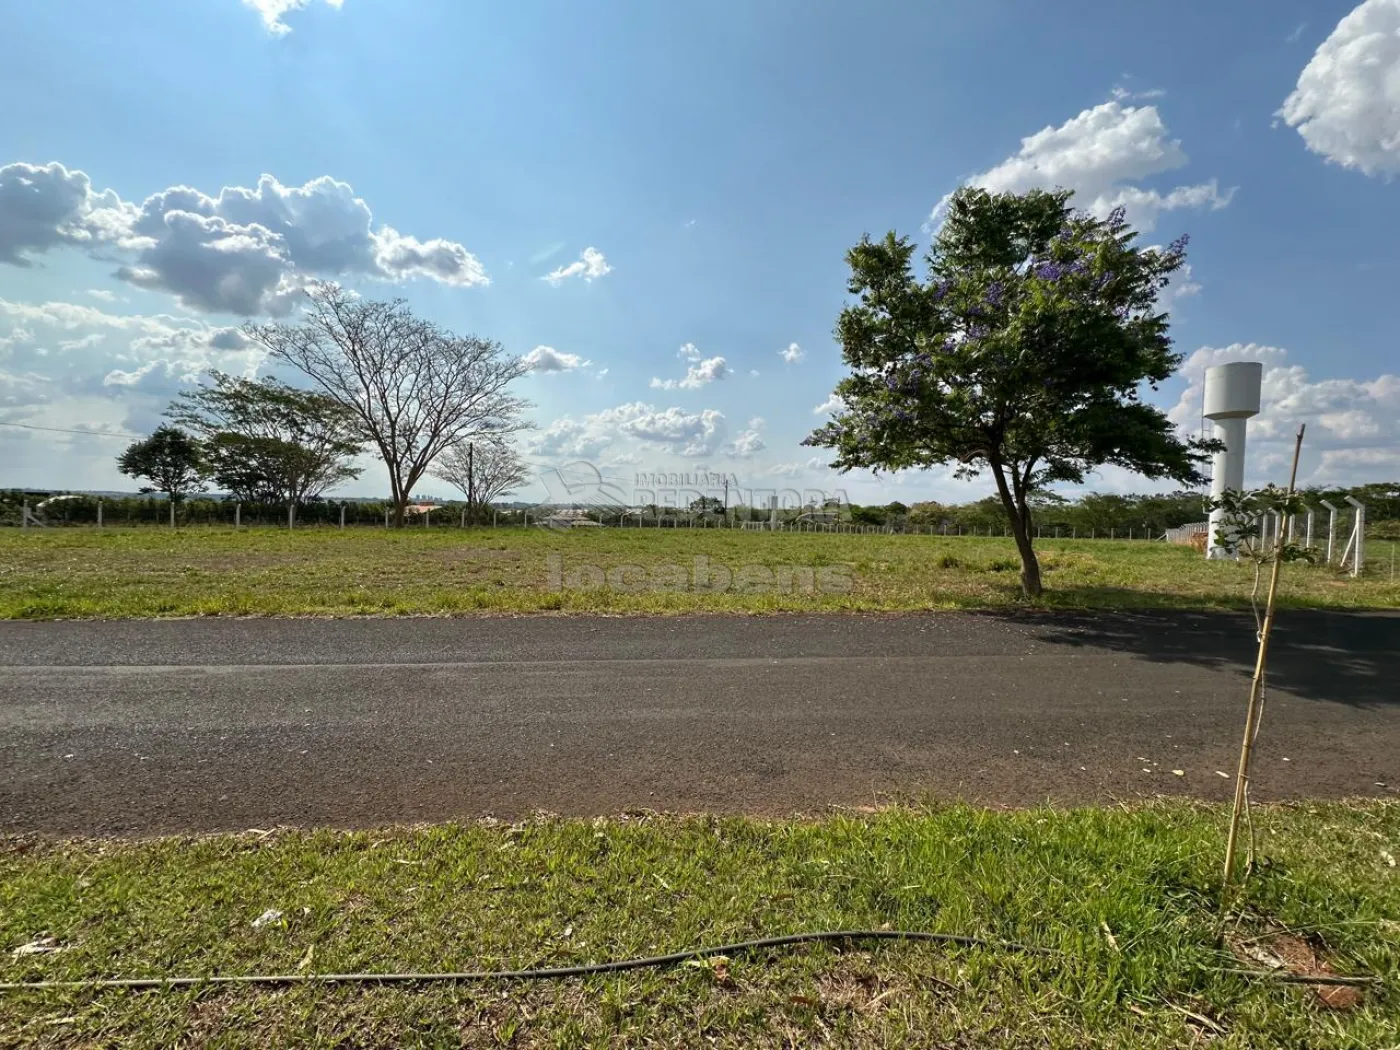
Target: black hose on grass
585 970
616 966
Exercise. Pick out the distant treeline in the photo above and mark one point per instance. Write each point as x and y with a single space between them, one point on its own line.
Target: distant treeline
1101 514
1096 514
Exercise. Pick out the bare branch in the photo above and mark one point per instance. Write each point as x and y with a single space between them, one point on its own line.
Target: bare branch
483 470
417 389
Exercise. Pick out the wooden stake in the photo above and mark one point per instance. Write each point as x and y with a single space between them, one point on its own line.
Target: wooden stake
1256 689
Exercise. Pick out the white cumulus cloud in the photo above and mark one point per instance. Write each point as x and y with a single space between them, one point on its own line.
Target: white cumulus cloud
792 353
1101 154
830 406
1346 104
272 12
590 266
672 430
44 206
700 373
548 359
246 251
749 441
84 367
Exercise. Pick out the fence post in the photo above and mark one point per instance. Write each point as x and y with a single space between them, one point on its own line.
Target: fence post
99 514
342 515
172 512
386 517
291 515
1359 532
427 516
464 517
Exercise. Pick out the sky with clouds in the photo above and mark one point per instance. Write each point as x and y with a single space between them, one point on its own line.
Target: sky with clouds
650 203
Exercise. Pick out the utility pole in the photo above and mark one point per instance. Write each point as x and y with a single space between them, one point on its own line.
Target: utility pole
471 477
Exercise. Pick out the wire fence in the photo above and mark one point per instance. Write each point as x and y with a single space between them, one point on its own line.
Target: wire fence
33 510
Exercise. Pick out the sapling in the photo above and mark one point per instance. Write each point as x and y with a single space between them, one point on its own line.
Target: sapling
1240 531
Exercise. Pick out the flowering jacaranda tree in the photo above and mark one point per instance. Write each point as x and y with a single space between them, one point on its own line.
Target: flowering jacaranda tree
1025 353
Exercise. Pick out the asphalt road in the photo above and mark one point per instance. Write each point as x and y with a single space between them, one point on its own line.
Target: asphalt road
201 725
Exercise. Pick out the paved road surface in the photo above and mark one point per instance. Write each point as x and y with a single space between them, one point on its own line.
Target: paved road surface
202 725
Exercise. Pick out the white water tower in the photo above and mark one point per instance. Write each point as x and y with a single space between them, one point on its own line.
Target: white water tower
1231 397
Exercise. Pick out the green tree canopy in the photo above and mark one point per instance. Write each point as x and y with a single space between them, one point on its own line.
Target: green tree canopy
707 505
266 441
171 460
1023 353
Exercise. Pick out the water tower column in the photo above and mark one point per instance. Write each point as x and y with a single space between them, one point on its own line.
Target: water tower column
1227 472
1231 397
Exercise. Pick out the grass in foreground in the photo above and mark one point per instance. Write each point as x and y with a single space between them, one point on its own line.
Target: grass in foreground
1127 897
328 572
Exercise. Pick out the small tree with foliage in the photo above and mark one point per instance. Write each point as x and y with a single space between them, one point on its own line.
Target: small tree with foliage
484 471
707 505
171 460
1023 353
1240 531
267 441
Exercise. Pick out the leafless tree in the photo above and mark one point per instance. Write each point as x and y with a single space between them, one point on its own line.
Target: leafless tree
484 471
417 389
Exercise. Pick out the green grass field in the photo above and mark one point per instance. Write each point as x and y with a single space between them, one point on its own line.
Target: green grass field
1126 899
329 572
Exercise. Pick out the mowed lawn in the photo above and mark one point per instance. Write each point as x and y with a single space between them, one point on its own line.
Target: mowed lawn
1125 901
330 572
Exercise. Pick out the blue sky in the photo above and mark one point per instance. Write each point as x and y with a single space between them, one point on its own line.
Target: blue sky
693 174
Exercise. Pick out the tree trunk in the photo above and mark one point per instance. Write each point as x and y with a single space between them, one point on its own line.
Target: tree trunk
1030 565
400 512
1021 531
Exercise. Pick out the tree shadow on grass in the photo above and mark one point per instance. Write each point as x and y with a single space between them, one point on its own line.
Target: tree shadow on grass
1344 657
